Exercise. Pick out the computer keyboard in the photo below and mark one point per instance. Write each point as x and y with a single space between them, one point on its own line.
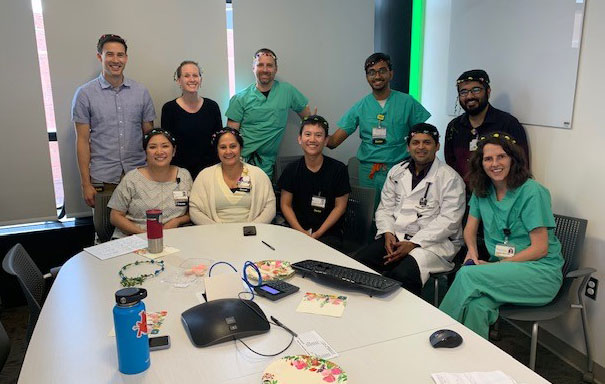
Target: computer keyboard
362 280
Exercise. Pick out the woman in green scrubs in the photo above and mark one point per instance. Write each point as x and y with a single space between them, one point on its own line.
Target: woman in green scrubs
525 259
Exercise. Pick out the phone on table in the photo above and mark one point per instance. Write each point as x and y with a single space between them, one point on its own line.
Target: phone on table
275 290
250 230
159 342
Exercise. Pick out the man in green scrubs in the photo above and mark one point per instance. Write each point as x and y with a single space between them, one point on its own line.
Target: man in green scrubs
260 111
384 118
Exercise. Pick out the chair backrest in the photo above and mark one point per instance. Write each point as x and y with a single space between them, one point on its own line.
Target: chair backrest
280 164
5 346
17 262
103 226
353 168
571 232
359 214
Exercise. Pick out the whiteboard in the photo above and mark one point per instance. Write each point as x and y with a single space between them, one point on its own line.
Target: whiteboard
530 49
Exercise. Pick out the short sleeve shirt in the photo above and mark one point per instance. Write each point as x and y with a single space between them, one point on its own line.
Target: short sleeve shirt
115 117
264 119
400 113
521 210
136 194
330 182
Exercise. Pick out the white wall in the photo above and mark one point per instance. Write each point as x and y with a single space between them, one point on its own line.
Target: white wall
159 35
321 47
568 162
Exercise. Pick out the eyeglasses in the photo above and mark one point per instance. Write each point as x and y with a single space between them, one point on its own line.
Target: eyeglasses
383 71
474 91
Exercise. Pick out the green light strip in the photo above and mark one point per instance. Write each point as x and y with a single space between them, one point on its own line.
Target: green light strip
416 46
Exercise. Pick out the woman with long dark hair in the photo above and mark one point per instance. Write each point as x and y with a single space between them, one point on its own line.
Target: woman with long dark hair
525 259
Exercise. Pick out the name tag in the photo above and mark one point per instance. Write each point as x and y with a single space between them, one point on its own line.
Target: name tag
504 250
181 198
243 184
318 202
379 135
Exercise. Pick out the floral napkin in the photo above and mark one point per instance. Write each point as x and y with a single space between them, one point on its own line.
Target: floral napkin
322 304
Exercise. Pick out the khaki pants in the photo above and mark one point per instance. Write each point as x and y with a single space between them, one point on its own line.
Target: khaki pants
100 214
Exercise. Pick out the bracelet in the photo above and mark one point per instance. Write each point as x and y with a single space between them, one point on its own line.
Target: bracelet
138 280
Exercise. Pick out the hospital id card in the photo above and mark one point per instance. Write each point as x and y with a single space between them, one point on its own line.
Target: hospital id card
318 202
379 135
181 198
504 250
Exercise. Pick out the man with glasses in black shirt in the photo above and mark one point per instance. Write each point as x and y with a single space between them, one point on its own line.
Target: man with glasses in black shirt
480 118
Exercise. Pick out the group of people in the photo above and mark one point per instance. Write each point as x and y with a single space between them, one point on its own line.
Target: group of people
223 174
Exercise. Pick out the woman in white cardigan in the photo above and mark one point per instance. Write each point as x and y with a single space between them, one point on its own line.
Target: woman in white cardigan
231 191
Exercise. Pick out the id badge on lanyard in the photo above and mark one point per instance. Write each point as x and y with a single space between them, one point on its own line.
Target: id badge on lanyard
505 249
379 133
318 203
181 198
472 146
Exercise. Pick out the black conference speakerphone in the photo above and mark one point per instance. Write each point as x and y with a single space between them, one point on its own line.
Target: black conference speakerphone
369 282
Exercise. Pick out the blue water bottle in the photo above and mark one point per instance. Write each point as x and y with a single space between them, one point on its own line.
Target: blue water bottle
130 323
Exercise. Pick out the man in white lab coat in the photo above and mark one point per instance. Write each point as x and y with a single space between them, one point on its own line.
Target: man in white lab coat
419 217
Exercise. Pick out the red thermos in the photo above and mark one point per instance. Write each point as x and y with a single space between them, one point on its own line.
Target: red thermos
155 237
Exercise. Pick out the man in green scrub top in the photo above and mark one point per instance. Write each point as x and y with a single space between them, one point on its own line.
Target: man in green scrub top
384 118
260 111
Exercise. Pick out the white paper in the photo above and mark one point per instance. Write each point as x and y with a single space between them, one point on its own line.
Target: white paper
227 285
315 345
493 377
117 247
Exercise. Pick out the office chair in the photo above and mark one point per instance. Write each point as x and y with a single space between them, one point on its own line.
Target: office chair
5 346
353 168
17 262
103 227
450 275
571 232
358 219
280 164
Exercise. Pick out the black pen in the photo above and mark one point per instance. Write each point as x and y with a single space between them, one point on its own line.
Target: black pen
267 245
280 324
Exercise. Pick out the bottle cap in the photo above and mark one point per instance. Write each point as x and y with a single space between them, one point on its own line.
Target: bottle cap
127 296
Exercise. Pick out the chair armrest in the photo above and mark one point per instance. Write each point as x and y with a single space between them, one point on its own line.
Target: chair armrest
581 272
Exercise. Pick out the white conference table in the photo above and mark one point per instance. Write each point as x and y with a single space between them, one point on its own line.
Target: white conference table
379 339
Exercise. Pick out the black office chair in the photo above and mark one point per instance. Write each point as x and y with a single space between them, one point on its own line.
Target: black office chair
358 219
280 164
353 169
447 275
5 346
571 232
17 262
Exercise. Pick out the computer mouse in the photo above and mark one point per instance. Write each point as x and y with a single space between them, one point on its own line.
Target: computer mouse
469 262
445 338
